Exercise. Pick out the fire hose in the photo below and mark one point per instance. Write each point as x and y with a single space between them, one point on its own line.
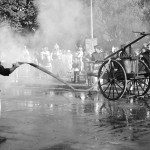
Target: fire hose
61 80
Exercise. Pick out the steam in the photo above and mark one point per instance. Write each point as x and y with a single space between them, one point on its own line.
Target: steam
62 22
11 45
65 22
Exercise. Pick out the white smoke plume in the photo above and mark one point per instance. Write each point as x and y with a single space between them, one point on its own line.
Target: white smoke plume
11 45
61 21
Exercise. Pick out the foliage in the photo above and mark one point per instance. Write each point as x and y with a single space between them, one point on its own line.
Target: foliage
116 19
20 15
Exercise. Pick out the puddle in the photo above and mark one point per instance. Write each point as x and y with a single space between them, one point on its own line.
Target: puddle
88 119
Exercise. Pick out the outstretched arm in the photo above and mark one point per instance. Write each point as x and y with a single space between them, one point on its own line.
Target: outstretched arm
13 68
8 71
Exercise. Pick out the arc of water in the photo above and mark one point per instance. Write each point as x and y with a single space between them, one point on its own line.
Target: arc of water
61 80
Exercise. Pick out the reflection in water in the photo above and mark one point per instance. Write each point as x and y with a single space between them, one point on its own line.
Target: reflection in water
122 116
124 111
83 103
89 108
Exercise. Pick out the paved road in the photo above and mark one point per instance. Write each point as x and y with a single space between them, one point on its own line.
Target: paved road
41 119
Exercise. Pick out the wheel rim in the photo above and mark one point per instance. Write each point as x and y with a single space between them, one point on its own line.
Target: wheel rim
114 80
140 86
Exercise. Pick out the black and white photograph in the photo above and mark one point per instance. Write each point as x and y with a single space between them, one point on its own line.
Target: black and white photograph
74 74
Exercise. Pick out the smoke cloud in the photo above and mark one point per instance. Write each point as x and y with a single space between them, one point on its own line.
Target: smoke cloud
61 21
11 45
65 22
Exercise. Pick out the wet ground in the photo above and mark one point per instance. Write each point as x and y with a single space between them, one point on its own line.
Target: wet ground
38 118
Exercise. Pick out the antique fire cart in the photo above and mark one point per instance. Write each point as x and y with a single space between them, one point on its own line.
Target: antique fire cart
123 73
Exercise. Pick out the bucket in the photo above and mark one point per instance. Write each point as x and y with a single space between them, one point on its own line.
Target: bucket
130 66
127 65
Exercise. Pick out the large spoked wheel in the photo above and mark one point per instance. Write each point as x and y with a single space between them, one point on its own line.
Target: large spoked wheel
140 84
114 80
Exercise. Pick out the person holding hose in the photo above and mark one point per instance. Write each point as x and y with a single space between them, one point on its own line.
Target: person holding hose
6 72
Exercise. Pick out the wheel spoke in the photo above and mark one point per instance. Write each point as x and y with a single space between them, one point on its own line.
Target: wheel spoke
141 86
107 87
113 90
119 86
143 82
130 84
109 91
137 88
104 83
116 89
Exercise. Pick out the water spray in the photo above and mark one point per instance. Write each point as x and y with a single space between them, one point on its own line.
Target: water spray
61 80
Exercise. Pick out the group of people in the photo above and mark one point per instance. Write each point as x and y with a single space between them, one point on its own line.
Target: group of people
60 62
56 60
84 61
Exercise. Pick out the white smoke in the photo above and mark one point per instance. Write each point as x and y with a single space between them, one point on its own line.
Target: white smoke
62 22
11 45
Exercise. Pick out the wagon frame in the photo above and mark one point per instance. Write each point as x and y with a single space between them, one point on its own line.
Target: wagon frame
124 74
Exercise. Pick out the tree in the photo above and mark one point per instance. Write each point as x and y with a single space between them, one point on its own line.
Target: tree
20 15
114 20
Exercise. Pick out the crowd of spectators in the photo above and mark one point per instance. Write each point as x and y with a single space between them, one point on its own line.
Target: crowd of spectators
85 62
67 64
